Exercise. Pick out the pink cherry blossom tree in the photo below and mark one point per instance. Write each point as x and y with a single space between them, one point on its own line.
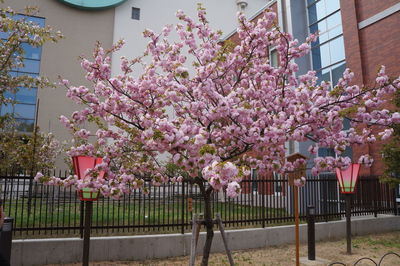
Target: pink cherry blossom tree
216 109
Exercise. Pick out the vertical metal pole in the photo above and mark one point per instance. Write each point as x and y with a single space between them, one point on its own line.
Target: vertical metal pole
86 237
348 222
82 219
376 198
311 232
396 209
296 218
263 201
183 208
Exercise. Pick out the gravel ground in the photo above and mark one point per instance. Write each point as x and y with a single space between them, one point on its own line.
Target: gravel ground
373 246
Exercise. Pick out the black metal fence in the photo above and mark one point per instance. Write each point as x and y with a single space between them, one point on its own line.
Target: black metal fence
41 210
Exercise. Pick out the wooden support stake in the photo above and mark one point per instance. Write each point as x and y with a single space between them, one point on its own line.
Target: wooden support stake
195 238
222 230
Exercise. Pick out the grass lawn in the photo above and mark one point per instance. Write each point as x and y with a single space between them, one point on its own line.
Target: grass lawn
373 246
142 214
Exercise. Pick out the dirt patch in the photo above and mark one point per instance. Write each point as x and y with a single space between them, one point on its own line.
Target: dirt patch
372 246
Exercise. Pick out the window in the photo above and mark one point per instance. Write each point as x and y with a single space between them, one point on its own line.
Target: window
135 13
291 146
273 57
277 183
328 54
253 176
24 109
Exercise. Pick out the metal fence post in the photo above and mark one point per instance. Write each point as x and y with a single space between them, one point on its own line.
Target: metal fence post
395 207
6 239
183 208
311 232
348 222
263 201
81 221
86 237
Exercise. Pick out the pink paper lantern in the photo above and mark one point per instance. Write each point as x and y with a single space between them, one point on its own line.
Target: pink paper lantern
348 178
81 165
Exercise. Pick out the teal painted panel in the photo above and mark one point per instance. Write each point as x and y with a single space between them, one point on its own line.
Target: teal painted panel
92 4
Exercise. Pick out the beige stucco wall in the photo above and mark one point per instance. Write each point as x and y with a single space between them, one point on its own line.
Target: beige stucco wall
81 29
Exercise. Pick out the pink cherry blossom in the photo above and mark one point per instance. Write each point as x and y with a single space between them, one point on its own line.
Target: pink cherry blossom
299 182
214 110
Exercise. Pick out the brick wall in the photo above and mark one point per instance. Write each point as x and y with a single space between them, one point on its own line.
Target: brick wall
368 8
366 50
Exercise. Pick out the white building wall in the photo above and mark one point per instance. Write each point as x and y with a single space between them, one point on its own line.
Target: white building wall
154 14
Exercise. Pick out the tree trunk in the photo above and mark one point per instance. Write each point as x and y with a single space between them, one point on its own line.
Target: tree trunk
208 222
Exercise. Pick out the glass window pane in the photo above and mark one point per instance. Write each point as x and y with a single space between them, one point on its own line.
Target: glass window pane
316 58
25 125
337 72
24 111
31 52
324 37
326 75
37 20
325 58
274 58
337 50
9 95
4 35
316 11
334 20
323 75
320 26
346 124
324 152
332 6
6 109
348 153
30 66
335 32
25 95
135 13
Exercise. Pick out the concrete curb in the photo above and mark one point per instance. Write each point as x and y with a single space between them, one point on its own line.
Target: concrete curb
69 250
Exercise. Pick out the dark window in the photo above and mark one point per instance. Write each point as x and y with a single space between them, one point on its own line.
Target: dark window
291 146
135 13
277 183
254 176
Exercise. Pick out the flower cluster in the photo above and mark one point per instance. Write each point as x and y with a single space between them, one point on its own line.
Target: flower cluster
300 182
223 175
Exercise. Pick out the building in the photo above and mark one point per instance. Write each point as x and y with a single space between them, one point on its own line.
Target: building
358 34
361 35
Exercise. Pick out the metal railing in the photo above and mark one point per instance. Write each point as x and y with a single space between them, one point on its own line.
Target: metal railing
41 210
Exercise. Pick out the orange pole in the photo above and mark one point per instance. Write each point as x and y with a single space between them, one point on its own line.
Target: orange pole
296 218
